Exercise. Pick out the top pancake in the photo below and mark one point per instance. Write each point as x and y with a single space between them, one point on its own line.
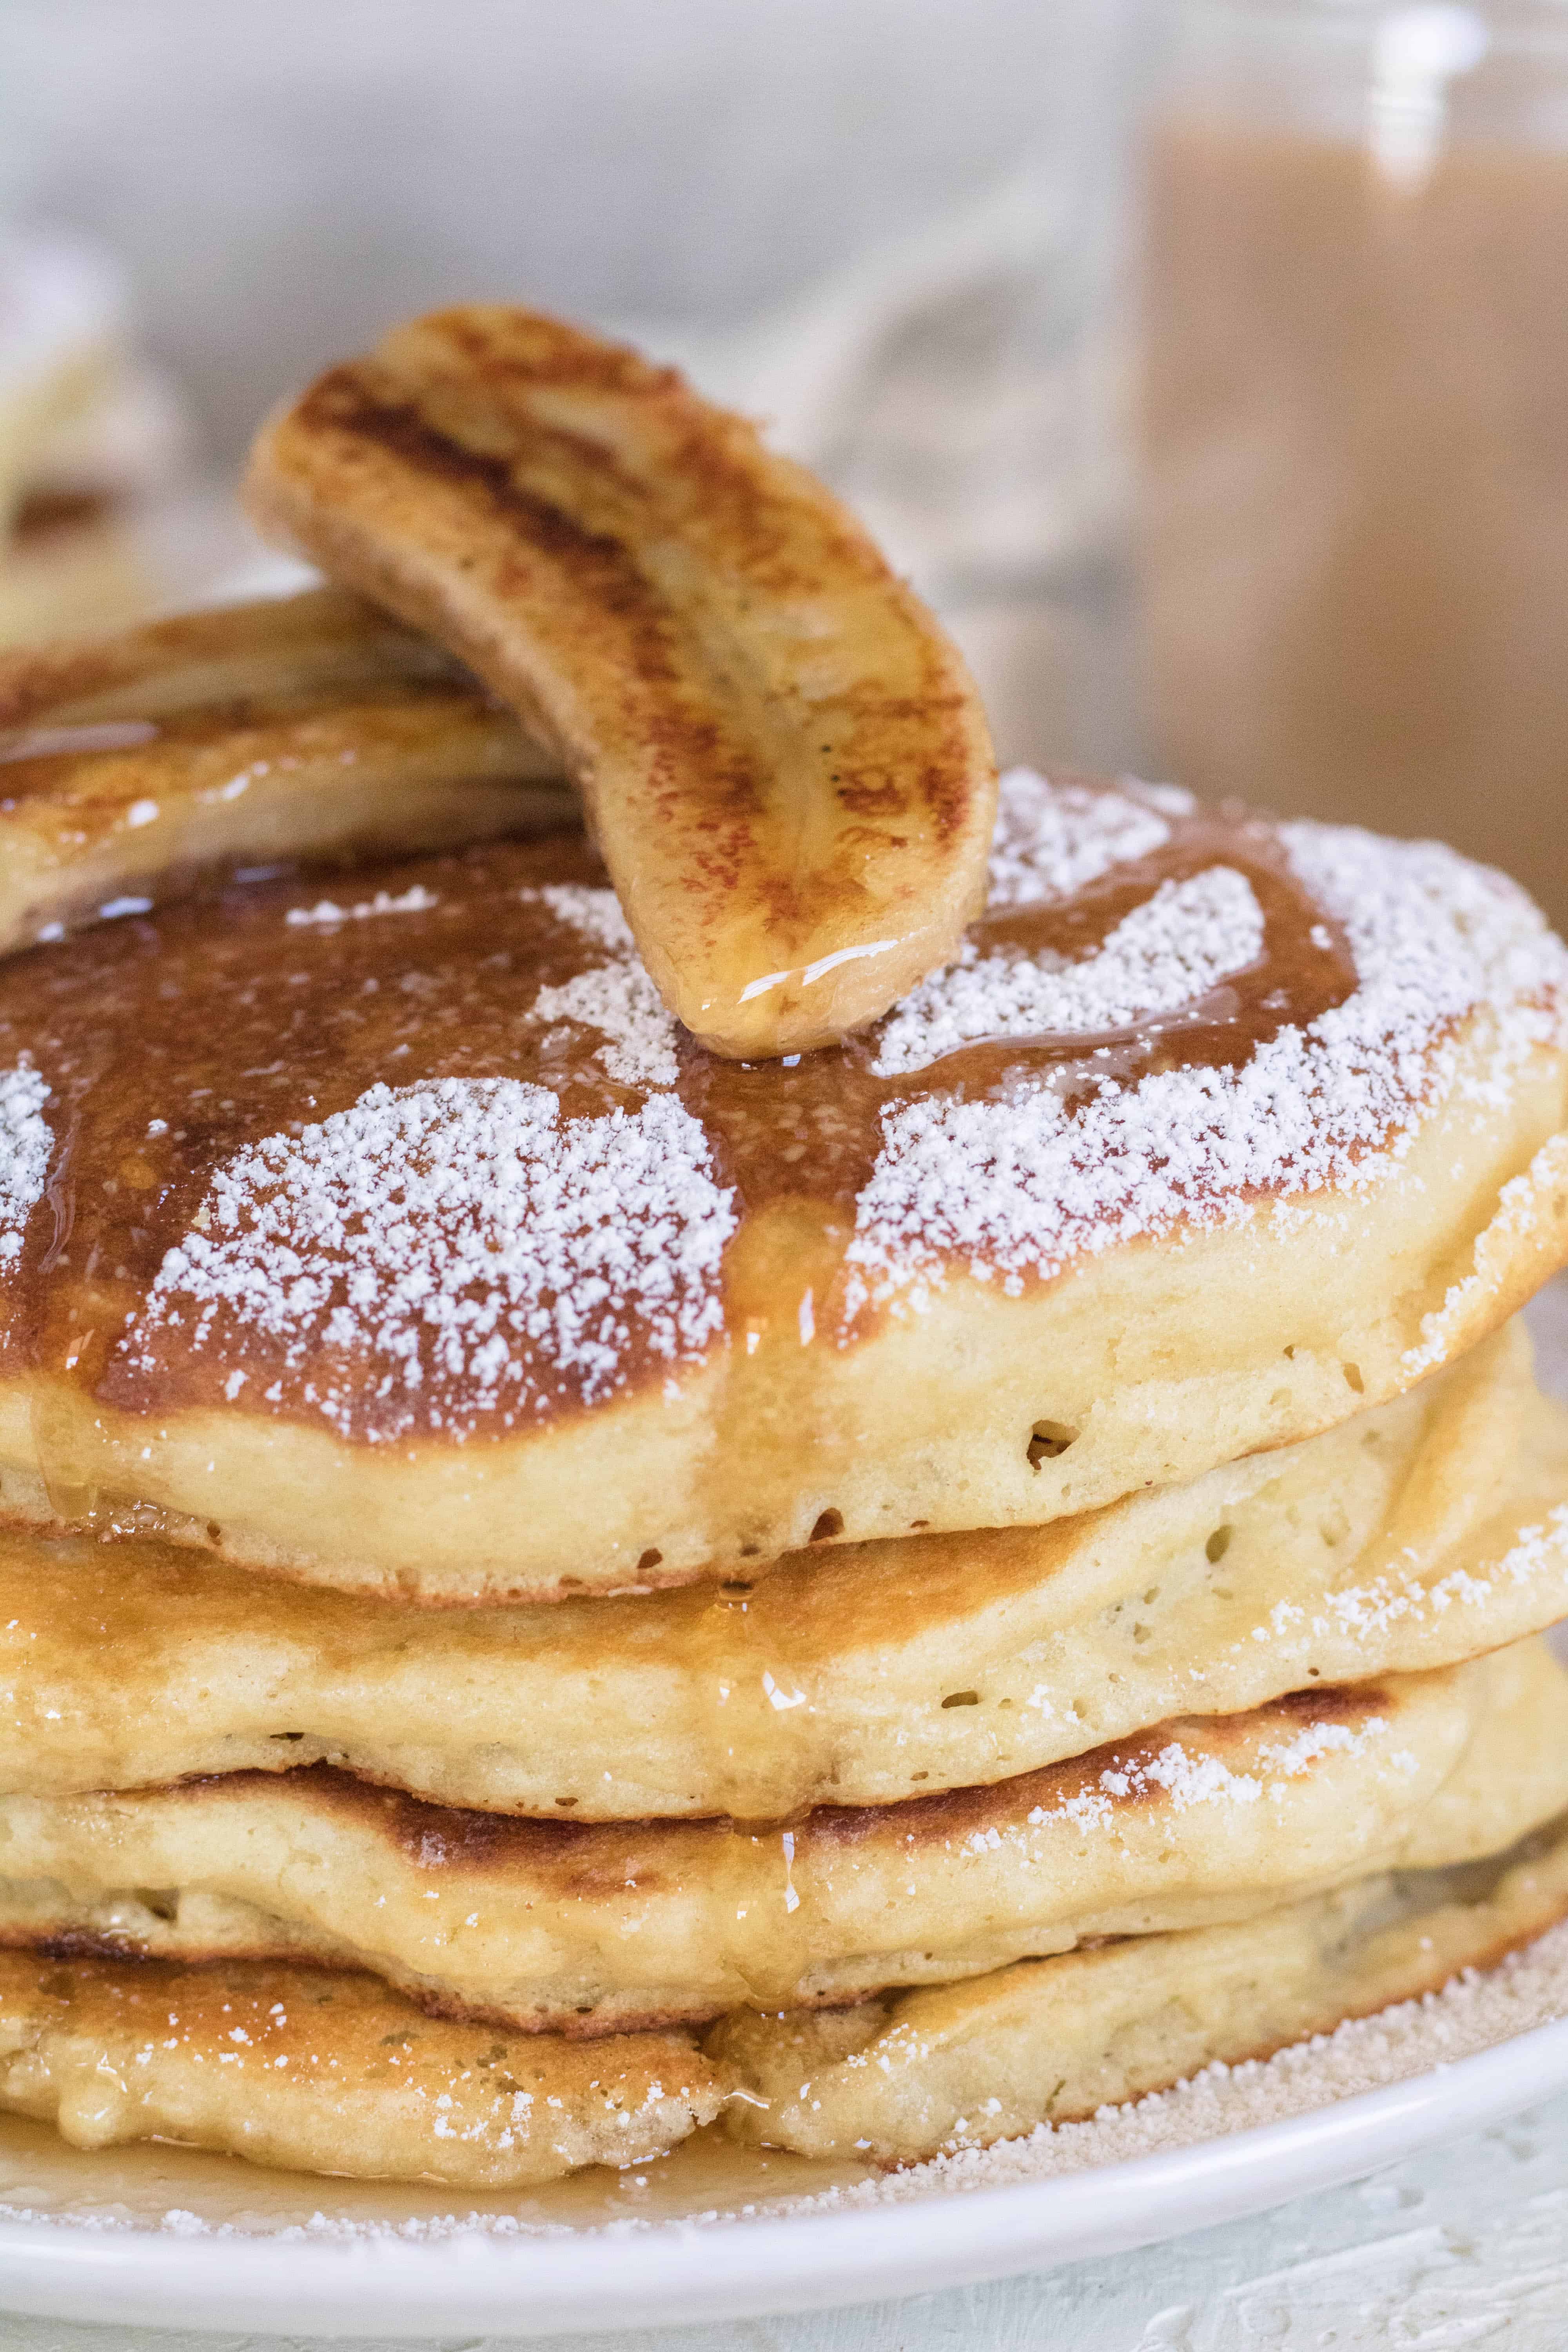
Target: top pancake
402 1241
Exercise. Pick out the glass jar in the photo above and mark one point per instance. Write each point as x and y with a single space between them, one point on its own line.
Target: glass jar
1352 524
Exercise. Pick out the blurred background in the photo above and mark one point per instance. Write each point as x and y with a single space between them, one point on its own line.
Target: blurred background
1205 365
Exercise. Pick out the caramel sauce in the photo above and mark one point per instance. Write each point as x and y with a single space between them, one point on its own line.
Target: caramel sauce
813 1131
172 1041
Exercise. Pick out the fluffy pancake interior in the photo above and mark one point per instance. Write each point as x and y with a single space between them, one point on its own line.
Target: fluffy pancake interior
334 2072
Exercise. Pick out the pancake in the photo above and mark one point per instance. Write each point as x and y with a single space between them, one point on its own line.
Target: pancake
1055 2040
423 1255
1416 1535
615 1926
334 2072
320 2072
307 728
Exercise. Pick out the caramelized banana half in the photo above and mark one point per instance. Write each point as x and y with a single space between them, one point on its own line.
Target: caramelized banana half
306 728
783 758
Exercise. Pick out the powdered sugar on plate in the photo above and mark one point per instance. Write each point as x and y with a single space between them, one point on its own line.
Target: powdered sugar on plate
26 1144
1475 2011
454 1251
619 998
1166 953
1054 839
1018 1187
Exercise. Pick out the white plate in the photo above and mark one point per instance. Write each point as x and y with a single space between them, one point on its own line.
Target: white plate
114 2251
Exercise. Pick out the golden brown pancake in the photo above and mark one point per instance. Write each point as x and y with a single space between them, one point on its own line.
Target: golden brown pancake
618 1925
1055 2040
328 2071
334 2072
1044 1517
406 1245
1416 1535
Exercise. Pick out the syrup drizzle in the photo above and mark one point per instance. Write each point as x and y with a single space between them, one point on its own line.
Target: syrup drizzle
177 1043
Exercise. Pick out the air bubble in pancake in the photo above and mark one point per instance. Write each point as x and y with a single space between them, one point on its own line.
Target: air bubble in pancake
1049 1439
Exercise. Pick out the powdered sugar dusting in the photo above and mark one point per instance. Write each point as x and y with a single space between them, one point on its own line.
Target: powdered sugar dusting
1518 1213
619 999
621 1002
1020 1187
26 1144
1167 952
1475 2011
326 914
595 913
1054 839
1187 1778
455 1251
1360 1612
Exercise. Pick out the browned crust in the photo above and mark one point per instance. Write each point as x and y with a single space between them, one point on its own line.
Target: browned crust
452 1837
76 1947
114 1521
122 1970
953 1814
349 736
784 757
82 1946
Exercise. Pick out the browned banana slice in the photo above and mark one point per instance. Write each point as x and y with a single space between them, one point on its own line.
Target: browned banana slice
783 758
304 729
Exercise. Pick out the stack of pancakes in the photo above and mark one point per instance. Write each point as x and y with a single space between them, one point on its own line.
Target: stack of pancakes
561 1589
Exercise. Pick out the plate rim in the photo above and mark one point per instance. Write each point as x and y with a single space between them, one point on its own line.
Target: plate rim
682 2270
